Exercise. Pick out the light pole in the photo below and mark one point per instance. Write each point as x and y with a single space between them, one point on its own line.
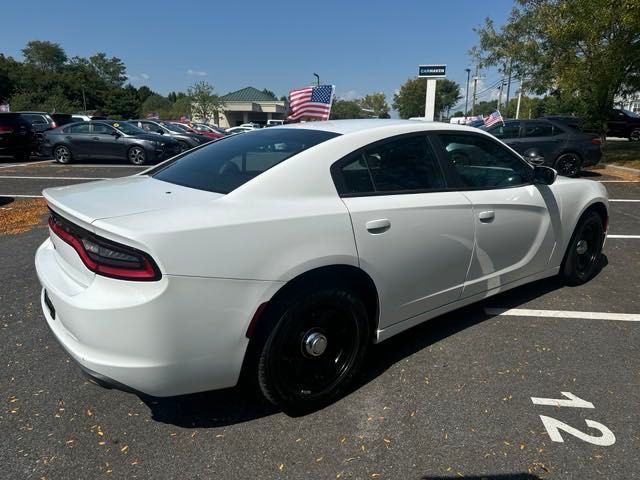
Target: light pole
317 78
466 97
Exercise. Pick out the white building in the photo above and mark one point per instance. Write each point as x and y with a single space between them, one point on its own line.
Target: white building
629 102
250 105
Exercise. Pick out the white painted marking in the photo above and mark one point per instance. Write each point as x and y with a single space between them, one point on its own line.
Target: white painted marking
98 166
616 200
554 426
623 236
618 181
52 178
19 196
555 402
525 312
26 164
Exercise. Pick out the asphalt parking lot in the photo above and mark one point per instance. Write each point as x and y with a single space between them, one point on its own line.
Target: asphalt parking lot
473 394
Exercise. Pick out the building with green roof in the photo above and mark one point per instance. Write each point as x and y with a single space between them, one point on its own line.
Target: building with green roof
250 105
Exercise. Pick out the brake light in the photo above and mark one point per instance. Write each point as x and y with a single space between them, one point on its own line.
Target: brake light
596 141
103 256
6 129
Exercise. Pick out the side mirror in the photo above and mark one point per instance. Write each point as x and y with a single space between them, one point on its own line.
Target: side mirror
544 175
160 131
116 134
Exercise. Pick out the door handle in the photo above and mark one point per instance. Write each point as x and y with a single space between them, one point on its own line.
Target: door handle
378 226
487 216
96 138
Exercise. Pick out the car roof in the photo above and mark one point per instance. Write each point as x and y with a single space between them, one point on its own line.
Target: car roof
345 127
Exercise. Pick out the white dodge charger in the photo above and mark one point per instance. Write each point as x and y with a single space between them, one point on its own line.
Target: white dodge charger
283 253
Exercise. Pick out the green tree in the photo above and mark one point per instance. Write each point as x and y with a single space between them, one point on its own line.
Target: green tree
144 92
123 103
376 102
343 109
44 55
584 49
410 100
266 91
205 104
112 70
156 103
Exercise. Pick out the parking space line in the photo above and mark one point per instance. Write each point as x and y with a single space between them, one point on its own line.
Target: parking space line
27 164
65 165
19 196
526 312
623 236
52 178
622 200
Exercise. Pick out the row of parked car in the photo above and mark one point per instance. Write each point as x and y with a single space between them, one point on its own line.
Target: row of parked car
67 137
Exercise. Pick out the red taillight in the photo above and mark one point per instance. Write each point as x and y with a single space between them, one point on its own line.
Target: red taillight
596 141
105 257
6 129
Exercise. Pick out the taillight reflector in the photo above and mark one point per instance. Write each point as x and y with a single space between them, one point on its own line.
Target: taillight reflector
104 257
596 141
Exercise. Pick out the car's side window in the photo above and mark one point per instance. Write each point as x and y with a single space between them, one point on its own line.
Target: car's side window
538 129
406 164
508 130
79 128
102 128
481 163
148 127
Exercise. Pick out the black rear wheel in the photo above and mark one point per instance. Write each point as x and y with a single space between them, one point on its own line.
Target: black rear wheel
634 136
568 164
314 351
582 259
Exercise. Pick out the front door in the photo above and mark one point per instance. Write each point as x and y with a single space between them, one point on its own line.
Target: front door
107 143
413 238
514 232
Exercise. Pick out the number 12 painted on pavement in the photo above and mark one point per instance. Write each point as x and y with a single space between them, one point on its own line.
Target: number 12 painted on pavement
554 426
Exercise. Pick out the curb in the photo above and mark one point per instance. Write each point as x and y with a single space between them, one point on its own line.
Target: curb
628 169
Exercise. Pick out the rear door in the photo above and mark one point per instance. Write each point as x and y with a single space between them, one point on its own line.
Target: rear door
107 142
78 137
508 132
514 232
543 138
414 238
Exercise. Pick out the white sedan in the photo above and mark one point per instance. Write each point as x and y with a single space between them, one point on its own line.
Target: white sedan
284 252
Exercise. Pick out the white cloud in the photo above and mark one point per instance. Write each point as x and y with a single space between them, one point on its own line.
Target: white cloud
350 95
145 76
138 78
196 73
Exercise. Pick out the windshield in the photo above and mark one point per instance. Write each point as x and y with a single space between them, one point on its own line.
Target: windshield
631 114
127 128
171 127
224 165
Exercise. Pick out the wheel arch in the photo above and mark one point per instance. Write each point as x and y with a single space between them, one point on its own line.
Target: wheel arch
343 275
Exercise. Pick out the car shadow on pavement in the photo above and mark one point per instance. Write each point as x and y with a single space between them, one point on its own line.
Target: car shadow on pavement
245 403
210 409
507 476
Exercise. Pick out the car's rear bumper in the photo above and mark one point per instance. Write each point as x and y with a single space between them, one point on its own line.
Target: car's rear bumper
174 336
592 156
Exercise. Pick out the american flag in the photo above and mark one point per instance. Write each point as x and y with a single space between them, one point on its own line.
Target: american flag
313 102
495 117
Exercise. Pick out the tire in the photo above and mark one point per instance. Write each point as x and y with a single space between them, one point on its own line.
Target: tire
568 164
184 146
137 155
582 259
634 136
62 154
315 350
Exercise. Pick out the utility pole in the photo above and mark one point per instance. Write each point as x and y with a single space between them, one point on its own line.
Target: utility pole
466 97
508 88
475 86
500 95
84 101
519 97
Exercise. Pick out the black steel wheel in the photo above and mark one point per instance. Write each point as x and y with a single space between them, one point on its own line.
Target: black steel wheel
137 155
62 154
582 259
634 136
314 351
568 164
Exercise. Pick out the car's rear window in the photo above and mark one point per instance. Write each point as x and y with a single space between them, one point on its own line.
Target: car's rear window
225 164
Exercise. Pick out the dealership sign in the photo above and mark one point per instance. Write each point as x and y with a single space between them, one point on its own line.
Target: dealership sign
432 71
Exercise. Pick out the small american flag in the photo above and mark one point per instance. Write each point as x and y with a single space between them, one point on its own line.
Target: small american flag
495 117
312 102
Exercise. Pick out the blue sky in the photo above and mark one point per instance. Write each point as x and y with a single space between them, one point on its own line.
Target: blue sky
360 46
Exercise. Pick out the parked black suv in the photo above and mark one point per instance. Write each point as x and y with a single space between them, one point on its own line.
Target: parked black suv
551 143
18 135
623 123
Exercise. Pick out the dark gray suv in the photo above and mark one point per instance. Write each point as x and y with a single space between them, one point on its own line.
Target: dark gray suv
551 143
